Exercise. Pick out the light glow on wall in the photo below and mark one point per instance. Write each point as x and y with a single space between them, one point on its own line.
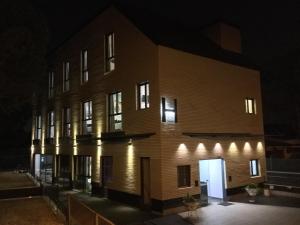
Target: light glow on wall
57 149
247 147
260 146
233 149
201 147
130 170
218 148
182 149
75 150
32 149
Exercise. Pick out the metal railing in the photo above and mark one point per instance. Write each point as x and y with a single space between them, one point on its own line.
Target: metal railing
80 214
291 179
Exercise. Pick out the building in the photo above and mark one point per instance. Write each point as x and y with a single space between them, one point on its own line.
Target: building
147 115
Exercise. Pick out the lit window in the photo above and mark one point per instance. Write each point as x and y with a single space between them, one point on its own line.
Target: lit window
38 127
109 52
84 67
87 118
143 95
254 167
50 133
169 110
66 76
115 111
51 85
66 122
250 105
184 176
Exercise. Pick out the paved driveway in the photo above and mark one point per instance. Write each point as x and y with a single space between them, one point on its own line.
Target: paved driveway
245 214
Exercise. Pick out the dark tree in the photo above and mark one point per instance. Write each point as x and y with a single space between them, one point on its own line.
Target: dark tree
23 45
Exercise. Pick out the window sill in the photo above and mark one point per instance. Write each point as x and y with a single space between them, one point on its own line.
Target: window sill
253 177
108 72
187 187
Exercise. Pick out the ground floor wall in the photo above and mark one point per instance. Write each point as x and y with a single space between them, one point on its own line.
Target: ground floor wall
182 150
124 180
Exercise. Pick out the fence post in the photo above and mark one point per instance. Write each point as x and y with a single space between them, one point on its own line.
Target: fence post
97 219
69 210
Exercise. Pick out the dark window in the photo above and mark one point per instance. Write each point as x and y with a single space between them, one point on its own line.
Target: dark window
143 95
51 85
84 66
250 105
51 125
109 52
254 167
38 127
107 169
184 176
66 122
87 117
115 111
169 110
66 76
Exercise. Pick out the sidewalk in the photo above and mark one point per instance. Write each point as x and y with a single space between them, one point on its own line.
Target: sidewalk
118 213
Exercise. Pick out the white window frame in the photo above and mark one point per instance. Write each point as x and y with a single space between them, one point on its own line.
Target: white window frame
38 127
250 106
109 52
87 117
143 101
51 84
115 114
66 76
254 168
84 66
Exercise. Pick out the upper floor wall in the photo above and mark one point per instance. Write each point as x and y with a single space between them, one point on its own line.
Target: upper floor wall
135 61
211 95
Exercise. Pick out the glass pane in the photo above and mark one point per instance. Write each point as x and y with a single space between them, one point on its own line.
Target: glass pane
254 167
119 102
170 104
170 116
147 95
143 96
118 122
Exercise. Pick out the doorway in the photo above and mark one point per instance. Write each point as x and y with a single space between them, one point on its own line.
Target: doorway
83 173
145 181
107 172
212 176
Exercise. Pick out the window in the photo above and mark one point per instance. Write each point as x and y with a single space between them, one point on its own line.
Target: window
87 117
38 127
143 95
51 85
84 67
115 111
250 105
109 46
184 176
66 115
254 167
66 76
50 133
169 110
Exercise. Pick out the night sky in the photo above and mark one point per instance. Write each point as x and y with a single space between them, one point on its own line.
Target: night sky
269 31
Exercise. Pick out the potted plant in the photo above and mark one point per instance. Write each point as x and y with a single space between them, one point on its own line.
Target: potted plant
267 191
190 202
252 190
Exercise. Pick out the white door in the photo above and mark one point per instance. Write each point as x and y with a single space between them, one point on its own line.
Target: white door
211 171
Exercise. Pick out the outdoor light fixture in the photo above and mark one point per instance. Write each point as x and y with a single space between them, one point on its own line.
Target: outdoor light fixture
130 141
